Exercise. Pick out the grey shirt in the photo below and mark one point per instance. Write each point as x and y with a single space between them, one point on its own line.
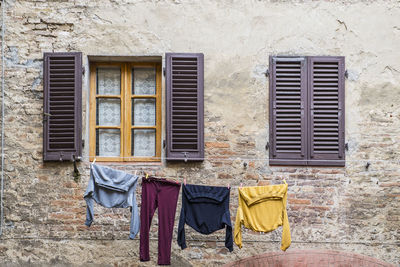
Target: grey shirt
112 189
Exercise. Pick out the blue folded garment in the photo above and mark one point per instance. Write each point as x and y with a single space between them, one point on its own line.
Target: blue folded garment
112 189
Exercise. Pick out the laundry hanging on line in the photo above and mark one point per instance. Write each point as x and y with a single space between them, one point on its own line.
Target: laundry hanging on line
206 210
112 188
263 209
161 194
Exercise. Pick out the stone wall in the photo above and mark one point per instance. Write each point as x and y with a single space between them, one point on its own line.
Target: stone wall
354 209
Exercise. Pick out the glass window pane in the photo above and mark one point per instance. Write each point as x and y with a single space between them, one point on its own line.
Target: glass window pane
144 143
108 112
108 142
144 81
109 81
144 112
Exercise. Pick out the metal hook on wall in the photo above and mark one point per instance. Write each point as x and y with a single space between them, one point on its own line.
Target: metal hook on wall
76 174
367 166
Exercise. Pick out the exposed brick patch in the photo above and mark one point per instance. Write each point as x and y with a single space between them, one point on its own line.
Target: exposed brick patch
319 208
224 176
62 216
251 176
217 145
70 185
300 258
299 201
226 152
389 185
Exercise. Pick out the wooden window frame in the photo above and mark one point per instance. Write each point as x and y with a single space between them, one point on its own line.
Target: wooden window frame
126 112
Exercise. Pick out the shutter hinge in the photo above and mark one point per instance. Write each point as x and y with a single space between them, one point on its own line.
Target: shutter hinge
46 115
346 146
83 70
164 144
164 71
185 156
267 146
346 74
83 142
266 73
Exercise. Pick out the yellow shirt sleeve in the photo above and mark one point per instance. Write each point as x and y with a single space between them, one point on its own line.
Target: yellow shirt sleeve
238 225
286 238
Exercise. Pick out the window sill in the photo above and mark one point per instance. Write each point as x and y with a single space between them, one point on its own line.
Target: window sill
125 161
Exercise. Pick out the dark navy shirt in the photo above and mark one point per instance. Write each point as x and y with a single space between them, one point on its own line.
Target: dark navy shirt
206 210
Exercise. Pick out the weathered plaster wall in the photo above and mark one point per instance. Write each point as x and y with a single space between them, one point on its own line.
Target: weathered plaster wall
350 209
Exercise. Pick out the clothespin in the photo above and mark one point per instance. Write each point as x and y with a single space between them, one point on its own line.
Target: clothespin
284 181
184 181
135 172
229 186
147 175
92 163
241 185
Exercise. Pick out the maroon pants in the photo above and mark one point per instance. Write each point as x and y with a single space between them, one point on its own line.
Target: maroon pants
164 195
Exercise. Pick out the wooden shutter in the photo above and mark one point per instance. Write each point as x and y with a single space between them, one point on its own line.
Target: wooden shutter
326 129
288 120
185 106
62 78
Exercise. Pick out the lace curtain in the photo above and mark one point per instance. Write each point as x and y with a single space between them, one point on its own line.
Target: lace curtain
144 112
108 112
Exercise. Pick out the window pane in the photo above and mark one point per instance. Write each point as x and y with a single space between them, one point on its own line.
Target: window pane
144 112
144 143
109 81
108 112
144 81
108 142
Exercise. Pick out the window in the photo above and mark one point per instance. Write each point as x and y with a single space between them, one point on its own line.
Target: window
125 111
307 111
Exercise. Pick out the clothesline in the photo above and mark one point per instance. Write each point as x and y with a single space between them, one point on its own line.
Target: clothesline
143 175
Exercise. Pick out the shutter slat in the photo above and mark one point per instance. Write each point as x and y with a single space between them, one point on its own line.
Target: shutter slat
63 101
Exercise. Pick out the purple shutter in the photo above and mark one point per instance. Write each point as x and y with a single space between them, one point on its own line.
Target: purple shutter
288 120
185 106
62 79
326 129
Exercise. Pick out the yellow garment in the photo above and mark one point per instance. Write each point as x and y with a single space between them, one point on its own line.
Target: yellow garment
263 209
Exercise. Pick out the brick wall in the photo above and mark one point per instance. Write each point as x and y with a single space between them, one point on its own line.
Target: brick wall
352 209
